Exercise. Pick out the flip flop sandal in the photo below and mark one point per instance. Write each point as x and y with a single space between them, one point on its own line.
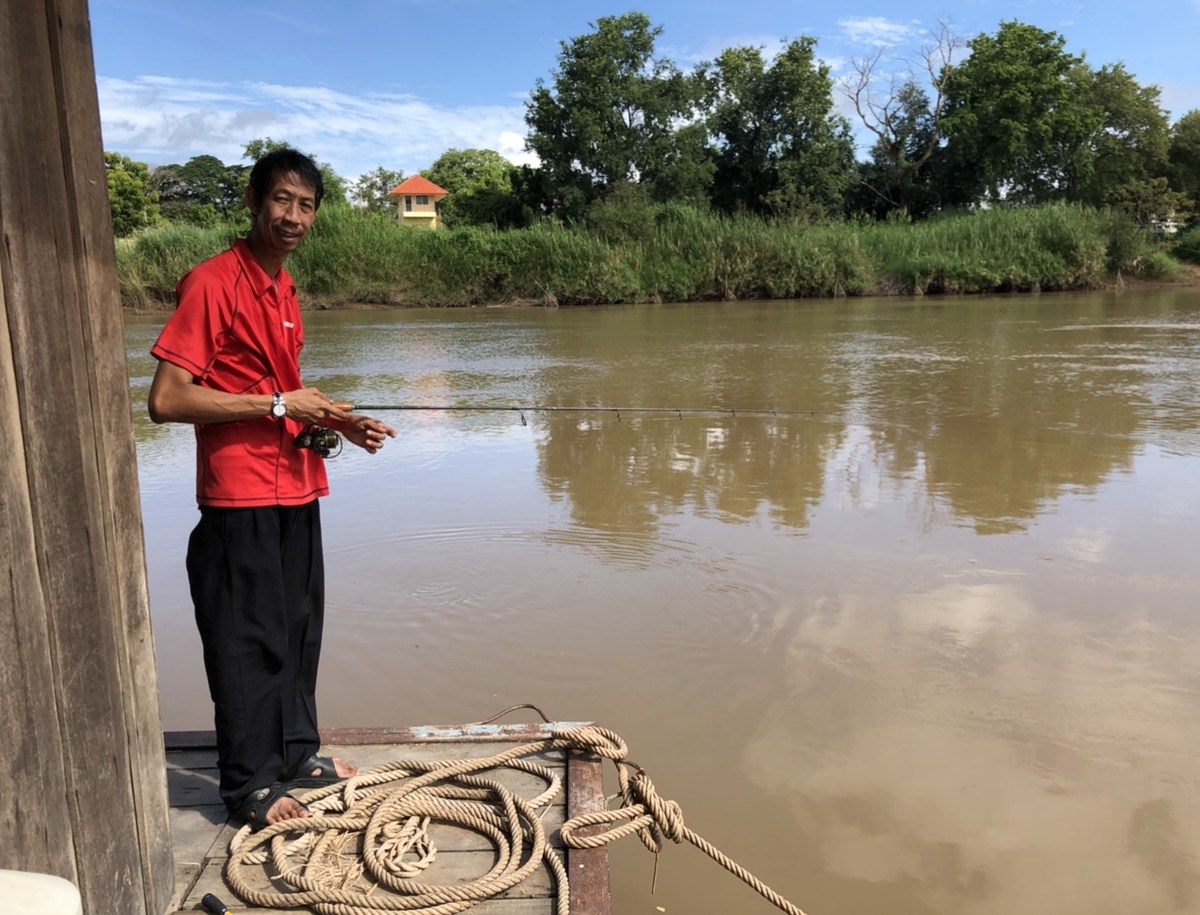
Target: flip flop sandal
257 806
325 768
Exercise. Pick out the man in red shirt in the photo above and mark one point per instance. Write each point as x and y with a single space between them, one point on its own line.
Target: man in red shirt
229 364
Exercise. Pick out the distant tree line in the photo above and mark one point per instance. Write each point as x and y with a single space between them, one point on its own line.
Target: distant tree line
617 127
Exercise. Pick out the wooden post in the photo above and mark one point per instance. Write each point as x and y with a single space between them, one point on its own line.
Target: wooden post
84 785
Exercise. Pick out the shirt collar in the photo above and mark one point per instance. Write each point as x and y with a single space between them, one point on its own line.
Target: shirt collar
262 283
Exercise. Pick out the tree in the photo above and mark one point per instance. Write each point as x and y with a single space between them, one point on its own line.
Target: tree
371 190
779 144
611 116
480 187
1015 121
1183 158
1153 199
204 190
131 197
1127 151
906 121
1028 122
460 171
335 185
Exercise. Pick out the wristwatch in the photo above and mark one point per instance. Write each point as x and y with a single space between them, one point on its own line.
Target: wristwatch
278 407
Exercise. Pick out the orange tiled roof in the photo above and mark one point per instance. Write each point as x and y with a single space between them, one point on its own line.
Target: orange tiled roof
418 185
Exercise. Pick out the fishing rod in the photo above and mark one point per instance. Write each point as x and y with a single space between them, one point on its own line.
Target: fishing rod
327 443
523 409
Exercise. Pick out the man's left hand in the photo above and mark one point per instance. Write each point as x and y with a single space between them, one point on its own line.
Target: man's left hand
369 434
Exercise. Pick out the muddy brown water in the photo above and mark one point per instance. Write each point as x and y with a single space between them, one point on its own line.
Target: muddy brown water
928 644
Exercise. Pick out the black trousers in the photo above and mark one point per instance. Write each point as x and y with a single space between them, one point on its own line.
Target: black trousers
257 578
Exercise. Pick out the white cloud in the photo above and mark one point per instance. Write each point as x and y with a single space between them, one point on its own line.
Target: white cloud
161 120
877 31
771 46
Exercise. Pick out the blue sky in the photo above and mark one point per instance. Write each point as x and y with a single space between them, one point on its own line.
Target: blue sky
364 83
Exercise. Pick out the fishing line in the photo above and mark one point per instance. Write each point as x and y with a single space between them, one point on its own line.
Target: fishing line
617 411
327 443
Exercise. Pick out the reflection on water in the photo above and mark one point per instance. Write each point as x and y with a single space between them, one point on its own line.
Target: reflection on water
924 641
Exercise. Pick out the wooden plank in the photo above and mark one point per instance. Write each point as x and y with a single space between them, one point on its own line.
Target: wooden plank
351 737
185 878
31 753
499 906
463 854
106 382
449 869
587 868
78 458
106 376
193 788
193 830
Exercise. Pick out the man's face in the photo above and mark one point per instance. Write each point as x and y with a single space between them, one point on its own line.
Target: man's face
285 215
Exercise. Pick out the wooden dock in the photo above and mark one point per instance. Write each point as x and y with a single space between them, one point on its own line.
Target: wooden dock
201 832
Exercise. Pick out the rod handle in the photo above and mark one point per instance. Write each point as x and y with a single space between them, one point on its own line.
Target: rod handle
214 905
347 407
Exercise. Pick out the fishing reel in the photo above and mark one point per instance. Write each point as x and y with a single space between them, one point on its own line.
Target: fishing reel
320 441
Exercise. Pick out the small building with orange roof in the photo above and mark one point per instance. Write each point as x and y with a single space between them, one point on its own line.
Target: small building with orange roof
417 199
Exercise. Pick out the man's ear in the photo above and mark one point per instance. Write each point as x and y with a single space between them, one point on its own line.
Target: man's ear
251 200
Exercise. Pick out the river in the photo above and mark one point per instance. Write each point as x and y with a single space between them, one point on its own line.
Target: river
926 640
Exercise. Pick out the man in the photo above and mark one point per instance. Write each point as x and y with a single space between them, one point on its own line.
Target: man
229 363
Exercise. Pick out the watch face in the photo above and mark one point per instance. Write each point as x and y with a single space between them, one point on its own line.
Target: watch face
279 408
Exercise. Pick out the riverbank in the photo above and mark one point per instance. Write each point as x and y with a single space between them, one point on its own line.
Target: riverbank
676 254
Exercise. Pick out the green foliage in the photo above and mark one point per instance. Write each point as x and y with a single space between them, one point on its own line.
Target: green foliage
780 145
1183 157
633 249
1056 246
1151 200
627 214
464 170
1028 122
150 265
1015 118
131 197
372 189
613 115
202 191
1129 144
1187 247
480 183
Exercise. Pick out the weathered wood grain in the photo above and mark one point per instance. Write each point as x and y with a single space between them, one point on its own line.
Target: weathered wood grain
87 770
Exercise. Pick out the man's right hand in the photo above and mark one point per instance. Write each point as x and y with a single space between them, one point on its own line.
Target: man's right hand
311 407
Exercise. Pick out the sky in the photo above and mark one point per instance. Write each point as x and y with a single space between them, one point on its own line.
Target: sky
361 84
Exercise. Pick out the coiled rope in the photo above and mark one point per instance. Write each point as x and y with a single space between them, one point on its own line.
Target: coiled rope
372 829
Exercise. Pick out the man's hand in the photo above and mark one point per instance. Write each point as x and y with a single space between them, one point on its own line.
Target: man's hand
311 407
369 434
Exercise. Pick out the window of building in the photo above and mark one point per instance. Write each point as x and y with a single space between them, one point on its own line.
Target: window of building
422 200
407 203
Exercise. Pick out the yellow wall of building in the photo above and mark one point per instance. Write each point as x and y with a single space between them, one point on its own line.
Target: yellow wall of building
412 213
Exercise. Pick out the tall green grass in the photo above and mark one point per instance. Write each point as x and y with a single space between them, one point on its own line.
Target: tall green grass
672 253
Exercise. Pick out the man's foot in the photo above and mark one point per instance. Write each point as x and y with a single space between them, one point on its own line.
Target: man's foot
271 805
341 767
286 808
320 771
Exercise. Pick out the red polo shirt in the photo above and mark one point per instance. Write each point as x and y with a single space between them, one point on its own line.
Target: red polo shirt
235 330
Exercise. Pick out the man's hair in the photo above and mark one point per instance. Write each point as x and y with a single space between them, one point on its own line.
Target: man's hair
286 161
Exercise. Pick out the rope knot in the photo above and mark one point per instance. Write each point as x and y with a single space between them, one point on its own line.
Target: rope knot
667 815
590 738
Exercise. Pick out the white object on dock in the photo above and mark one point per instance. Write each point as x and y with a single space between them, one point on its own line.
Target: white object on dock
28 893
